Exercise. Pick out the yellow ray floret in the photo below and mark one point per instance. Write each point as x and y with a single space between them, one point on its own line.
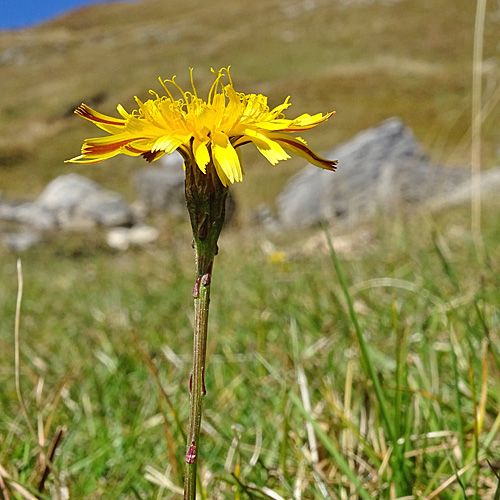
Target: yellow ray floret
203 132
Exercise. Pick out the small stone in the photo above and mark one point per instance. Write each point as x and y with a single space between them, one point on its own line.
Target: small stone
122 238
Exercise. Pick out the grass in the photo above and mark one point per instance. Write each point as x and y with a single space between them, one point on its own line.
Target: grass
395 366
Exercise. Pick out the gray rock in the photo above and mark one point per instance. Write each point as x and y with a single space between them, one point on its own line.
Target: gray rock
70 201
65 193
263 216
28 213
379 169
162 188
489 185
16 56
122 238
104 208
20 241
77 201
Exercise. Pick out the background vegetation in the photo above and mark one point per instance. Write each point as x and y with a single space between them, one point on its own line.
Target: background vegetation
387 387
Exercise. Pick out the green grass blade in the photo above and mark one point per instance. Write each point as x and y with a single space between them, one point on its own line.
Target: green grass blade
284 441
331 448
447 267
497 491
379 393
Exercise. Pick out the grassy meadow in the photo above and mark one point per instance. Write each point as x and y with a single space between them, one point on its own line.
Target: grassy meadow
105 342
372 372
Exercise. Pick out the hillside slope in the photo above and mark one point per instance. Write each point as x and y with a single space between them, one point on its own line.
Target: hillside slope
366 60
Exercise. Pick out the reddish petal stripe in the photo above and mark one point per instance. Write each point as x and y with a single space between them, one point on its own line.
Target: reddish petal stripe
85 112
102 149
130 148
328 164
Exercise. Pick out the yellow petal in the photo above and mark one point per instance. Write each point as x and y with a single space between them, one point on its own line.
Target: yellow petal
305 122
91 159
278 125
225 159
122 111
166 143
201 155
279 109
269 148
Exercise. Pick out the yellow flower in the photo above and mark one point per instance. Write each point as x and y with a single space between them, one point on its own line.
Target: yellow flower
278 257
201 131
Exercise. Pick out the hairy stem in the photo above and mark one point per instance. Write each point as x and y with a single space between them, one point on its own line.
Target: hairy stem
205 199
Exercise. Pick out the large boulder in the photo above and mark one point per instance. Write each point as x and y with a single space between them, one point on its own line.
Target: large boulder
76 201
104 208
161 188
66 192
488 186
69 201
380 168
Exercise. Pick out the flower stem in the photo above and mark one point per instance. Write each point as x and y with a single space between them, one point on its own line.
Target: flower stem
196 386
205 199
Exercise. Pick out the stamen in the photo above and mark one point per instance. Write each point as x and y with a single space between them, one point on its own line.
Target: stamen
229 76
192 83
213 88
178 88
166 89
152 92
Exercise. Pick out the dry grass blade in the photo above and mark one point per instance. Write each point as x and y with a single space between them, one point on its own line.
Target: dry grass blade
477 76
3 489
14 485
44 459
156 477
264 491
306 401
24 492
17 364
451 480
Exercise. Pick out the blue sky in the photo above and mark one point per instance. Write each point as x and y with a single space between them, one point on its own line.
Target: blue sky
24 13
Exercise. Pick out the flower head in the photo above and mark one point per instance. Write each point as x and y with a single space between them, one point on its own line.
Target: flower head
203 132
